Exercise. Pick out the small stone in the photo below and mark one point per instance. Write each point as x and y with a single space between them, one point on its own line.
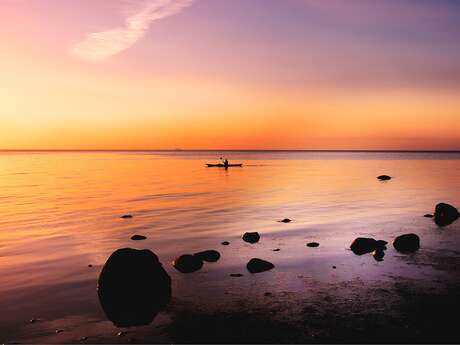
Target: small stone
256 265
334 267
251 237
313 244
276 250
90 265
428 215
407 243
225 243
83 338
122 333
187 263
59 331
445 214
126 216
33 320
267 294
384 177
236 275
208 255
138 238
286 220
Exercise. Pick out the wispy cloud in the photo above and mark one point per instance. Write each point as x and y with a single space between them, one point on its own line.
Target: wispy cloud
101 45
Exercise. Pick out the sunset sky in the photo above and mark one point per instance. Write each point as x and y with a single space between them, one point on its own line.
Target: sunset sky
229 74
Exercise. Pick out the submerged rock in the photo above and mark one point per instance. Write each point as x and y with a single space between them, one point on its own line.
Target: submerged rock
138 238
188 263
208 255
407 243
286 220
445 214
126 216
313 244
251 237
363 245
236 275
258 265
225 243
384 177
428 215
133 287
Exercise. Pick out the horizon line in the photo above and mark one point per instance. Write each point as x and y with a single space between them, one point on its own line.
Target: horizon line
233 150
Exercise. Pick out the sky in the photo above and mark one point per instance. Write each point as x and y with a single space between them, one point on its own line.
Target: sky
230 74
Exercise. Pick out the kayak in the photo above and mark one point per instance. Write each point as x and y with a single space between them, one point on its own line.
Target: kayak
223 165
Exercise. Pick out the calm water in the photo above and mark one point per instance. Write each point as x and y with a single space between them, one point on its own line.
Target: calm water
61 212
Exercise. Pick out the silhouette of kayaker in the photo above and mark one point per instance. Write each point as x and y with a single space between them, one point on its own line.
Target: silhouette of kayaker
224 161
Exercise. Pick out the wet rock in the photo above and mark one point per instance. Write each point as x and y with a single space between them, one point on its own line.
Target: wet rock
236 275
334 267
90 265
384 177
267 294
407 243
208 255
83 338
276 250
286 220
126 216
225 243
133 287
363 245
428 215
59 331
445 214
251 237
122 333
378 254
381 245
187 263
258 265
33 320
313 244
138 238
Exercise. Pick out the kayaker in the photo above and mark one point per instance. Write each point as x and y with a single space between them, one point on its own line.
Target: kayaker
226 162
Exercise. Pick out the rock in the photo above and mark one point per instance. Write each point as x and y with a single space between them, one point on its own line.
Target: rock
276 250
133 287
362 245
334 267
236 275
384 177
208 255
251 237
33 320
122 333
428 215
225 243
313 244
286 220
407 243
138 238
267 294
59 331
381 245
90 265
258 265
187 263
378 254
445 214
126 216
83 338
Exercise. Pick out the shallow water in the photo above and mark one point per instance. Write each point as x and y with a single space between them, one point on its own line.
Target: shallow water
61 212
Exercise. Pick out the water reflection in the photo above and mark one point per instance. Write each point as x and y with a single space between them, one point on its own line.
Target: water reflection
133 287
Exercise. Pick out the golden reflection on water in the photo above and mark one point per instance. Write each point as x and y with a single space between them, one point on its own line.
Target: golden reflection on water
61 212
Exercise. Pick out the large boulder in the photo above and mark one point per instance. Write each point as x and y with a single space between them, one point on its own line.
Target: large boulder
407 243
133 287
188 263
258 265
445 214
251 237
208 255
